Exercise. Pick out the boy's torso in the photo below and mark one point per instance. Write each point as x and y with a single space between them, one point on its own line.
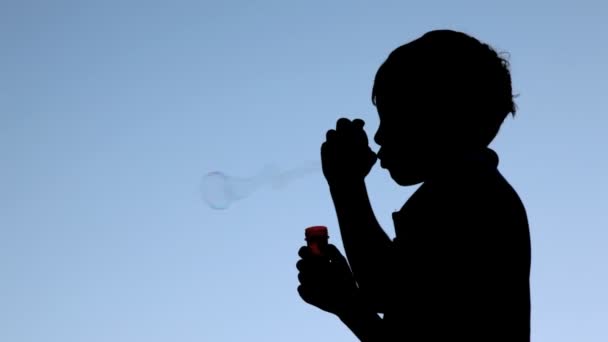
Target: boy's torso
462 246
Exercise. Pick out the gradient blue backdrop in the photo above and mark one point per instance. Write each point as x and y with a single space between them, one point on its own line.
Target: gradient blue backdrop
112 111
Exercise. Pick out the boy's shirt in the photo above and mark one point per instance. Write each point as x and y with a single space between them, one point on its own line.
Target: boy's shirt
462 257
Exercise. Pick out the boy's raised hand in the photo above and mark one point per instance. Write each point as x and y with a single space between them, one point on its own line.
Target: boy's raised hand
326 281
346 155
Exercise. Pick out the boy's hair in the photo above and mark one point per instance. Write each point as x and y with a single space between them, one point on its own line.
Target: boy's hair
463 80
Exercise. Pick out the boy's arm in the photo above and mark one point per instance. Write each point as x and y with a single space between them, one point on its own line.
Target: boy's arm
367 246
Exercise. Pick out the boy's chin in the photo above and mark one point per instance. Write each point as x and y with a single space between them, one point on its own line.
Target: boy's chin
405 178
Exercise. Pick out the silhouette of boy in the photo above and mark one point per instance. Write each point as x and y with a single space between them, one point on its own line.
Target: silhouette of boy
458 269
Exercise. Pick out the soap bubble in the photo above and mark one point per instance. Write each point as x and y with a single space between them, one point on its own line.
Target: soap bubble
220 190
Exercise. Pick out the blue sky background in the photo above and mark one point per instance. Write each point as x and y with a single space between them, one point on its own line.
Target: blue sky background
112 111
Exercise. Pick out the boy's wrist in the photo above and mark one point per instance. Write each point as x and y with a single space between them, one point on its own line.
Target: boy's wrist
346 184
363 322
355 308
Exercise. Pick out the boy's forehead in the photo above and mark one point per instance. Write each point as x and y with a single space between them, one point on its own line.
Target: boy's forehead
401 98
397 85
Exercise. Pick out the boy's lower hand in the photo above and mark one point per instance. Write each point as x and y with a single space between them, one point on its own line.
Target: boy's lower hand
346 155
326 281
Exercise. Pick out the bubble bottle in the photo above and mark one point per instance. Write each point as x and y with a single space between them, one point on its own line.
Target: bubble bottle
317 239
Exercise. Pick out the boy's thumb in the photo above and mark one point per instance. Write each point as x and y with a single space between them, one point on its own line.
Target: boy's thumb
334 254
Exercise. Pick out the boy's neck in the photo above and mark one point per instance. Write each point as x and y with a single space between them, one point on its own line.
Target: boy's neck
463 163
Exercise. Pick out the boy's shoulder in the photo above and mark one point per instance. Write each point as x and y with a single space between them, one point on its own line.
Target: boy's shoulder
466 212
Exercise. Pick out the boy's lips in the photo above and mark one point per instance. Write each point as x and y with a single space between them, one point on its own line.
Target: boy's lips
382 158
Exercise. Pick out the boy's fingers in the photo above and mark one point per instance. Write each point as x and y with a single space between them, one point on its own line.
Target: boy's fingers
300 265
358 123
332 250
304 252
305 293
303 278
334 254
331 254
309 294
343 124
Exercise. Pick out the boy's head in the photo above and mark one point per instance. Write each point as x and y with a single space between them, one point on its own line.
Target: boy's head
440 95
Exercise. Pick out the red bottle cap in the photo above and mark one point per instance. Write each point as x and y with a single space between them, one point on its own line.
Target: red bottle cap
316 232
